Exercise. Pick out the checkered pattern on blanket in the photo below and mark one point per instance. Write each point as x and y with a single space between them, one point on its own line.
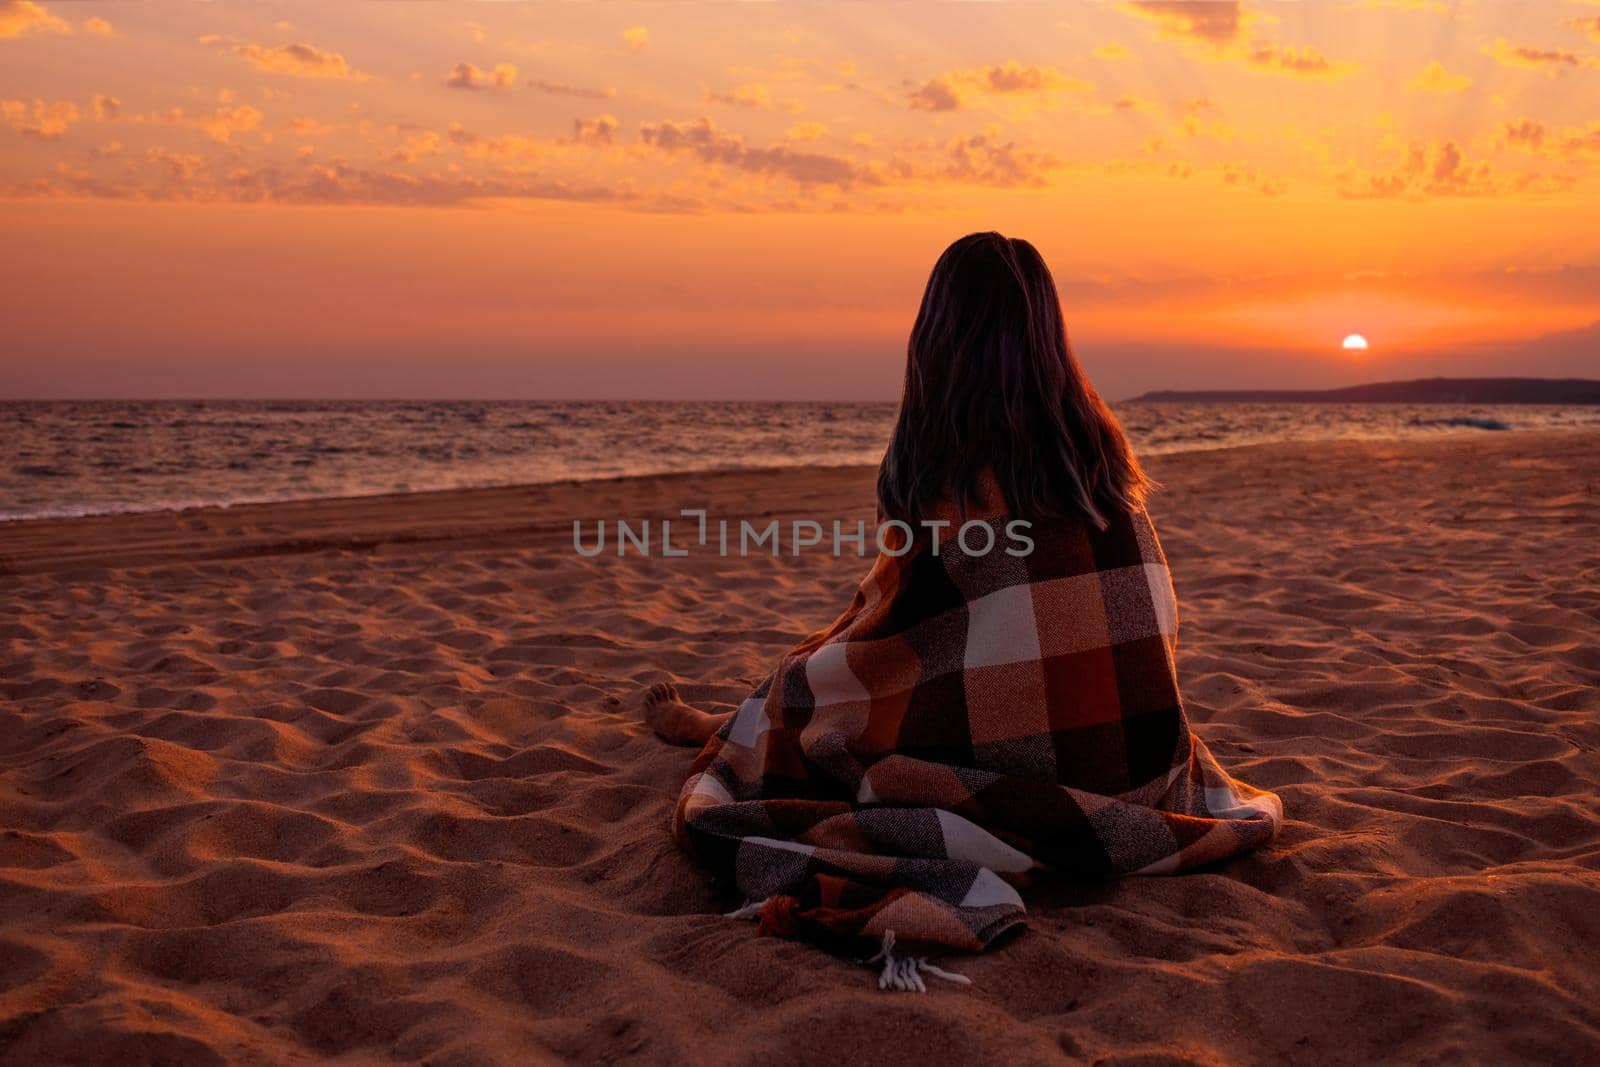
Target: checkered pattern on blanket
969 720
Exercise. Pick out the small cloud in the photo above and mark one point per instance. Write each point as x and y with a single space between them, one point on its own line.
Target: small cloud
1550 60
1303 62
599 130
476 32
180 168
635 37
416 146
1440 169
752 95
108 150
296 60
223 123
954 89
39 120
1112 50
105 107
467 76
565 89
937 95
1435 79
1532 135
505 146
803 132
306 126
1222 30
97 26
1525 133
703 140
1248 177
1589 27
1213 23
18 18
983 159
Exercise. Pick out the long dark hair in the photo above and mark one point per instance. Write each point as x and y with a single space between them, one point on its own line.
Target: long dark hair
992 387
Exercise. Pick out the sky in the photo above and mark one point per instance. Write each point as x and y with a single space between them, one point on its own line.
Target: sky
728 200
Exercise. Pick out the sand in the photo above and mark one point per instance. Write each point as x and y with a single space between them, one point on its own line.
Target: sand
366 779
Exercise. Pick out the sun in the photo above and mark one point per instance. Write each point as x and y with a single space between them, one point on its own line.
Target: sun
1355 343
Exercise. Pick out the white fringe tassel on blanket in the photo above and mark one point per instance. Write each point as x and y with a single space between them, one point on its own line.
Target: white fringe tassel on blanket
903 973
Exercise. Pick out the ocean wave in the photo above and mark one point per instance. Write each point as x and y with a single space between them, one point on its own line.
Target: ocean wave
1475 422
62 458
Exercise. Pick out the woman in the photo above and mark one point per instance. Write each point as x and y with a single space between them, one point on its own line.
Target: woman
972 717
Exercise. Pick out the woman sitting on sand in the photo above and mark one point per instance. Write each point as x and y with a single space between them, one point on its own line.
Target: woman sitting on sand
973 716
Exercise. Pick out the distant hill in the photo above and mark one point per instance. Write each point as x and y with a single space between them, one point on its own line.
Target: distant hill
1420 391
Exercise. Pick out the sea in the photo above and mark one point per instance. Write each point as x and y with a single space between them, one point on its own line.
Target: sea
64 458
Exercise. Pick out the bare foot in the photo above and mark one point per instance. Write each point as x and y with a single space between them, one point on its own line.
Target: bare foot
676 721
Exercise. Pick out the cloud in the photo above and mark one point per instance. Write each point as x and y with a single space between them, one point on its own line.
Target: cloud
1589 27
936 95
18 18
1525 133
1435 79
297 60
1222 30
417 145
1214 22
341 183
702 139
105 107
98 26
956 89
307 126
1303 61
467 76
1550 60
223 123
504 146
169 176
1570 142
983 159
39 120
598 130
1248 177
803 132
635 37
564 89
1111 50
179 168
1441 169
753 94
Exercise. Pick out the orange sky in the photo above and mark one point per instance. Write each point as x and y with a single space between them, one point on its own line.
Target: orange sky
504 199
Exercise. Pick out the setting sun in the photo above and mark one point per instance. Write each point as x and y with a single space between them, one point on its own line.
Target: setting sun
1355 343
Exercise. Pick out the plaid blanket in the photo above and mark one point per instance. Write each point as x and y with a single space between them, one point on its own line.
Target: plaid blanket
967 721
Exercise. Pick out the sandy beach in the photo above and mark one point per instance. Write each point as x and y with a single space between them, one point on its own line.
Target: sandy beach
367 779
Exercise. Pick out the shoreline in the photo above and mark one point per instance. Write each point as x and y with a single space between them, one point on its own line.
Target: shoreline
772 469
